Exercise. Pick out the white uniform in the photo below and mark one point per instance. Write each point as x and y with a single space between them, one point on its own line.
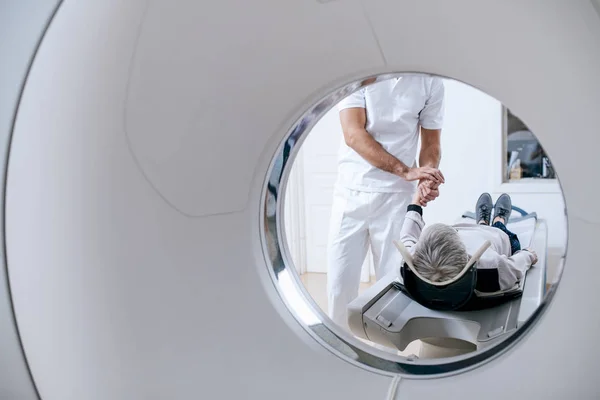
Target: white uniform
369 204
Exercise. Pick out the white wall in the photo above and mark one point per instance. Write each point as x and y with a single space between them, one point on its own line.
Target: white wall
319 153
471 163
470 150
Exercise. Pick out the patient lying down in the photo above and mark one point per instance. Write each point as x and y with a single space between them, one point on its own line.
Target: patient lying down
440 252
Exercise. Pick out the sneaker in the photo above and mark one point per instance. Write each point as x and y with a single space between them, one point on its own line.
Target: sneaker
503 207
483 209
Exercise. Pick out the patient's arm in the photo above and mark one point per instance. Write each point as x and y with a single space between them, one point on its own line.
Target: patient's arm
412 227
512 269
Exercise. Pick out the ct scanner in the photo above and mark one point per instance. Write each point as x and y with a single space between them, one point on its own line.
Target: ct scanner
142 245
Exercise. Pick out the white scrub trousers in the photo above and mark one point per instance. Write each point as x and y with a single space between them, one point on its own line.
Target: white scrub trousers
360 219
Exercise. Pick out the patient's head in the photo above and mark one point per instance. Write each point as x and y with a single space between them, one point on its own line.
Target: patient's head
439 254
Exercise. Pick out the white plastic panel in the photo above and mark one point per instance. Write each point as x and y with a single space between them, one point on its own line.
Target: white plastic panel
134 299
22 24
596 4
57 258
209 86
118 295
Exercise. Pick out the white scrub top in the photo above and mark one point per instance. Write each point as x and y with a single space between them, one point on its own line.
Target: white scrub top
395 108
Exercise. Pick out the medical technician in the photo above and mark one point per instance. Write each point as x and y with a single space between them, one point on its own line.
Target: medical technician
377 176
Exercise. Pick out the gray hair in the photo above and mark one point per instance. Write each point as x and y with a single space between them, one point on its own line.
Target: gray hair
439 254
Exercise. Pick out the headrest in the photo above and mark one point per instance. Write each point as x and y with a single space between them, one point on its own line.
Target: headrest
442 296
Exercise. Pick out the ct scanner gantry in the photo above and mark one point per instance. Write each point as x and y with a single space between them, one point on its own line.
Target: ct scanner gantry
138 138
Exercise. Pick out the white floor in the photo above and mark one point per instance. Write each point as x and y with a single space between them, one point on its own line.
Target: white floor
316 284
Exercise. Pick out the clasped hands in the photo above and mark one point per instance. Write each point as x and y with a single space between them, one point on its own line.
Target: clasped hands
430 180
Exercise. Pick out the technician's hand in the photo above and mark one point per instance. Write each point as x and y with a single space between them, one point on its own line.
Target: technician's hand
425 173
535 257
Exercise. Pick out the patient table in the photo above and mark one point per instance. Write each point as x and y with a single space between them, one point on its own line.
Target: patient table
385 315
